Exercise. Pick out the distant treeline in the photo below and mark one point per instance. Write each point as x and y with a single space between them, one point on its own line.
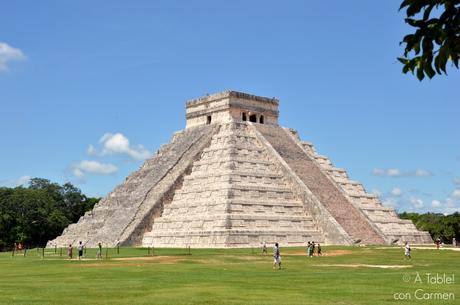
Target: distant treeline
444 227
35 214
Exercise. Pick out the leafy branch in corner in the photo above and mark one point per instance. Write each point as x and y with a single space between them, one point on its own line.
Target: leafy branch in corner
436 40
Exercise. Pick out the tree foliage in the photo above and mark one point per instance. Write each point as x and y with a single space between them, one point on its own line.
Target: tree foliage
436 40
40 212
444 227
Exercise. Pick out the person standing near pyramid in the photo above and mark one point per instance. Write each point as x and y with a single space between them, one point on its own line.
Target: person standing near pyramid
69 251
276 256
407 250
99 251
80 250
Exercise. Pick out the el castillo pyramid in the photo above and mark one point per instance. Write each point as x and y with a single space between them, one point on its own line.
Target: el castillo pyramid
235 178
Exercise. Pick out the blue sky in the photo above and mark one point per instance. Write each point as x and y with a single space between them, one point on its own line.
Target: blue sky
88 89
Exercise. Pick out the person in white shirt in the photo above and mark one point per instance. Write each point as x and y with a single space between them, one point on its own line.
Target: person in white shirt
407 251
80 250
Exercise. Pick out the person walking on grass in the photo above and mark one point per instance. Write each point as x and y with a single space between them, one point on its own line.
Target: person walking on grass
69 251
407 251
99 251
276 256
309 249
319 250
80 250
437 243
264 248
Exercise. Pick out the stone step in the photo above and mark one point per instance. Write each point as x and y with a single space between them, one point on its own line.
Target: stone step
231 159
285 203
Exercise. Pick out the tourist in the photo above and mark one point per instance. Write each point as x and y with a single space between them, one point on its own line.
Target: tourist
264 248
407 251
438 243
69 251
310 249
319 250
276 256
80 250
313 248
99 251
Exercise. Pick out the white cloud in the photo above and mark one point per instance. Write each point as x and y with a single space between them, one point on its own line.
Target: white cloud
456 194
21 181
435 203
393 172
396 172
378 172
416 202
390 202
422 173
390 172
77 172
24 180
119 144
93 167
396 191
9 54
456 181
450 205
91 150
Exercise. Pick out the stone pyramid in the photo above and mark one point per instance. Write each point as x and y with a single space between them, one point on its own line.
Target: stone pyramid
235 178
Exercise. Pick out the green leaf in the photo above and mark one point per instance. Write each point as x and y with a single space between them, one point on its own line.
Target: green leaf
443 56
405 3
427 12
405 69
420 74
454 58
415 23
429 70
436 65
415 8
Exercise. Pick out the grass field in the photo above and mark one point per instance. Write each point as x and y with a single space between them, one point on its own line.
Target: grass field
345 275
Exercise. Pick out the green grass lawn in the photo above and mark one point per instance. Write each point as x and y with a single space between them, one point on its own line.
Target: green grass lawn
231 276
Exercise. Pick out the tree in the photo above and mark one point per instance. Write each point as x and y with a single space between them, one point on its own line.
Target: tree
436 40
444 227
40 212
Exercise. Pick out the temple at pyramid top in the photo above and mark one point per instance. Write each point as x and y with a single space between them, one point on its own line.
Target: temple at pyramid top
231 106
